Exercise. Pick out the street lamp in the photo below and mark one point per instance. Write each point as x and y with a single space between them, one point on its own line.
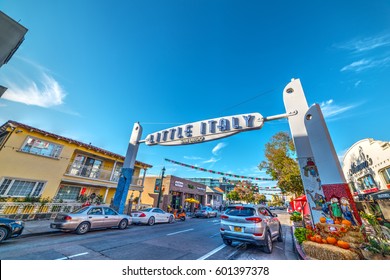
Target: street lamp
161 186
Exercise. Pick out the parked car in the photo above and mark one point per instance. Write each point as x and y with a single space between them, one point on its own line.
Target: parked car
10 228
150 216
251 224
90 217
206 212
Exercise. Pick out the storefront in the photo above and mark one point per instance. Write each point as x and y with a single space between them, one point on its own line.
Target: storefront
181 190
366 166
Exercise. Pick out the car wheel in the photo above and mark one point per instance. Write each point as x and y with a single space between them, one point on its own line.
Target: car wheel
83 228
3 233
280 235
268 243
228 242
208 215
151 221
123 224
170 220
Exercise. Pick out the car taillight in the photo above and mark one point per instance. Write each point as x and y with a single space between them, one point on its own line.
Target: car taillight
254 219
257 234
142 215
224 217
67 218
222 229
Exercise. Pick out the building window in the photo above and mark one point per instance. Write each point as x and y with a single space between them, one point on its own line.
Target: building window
41 147
85 166
366 182
386 174
68 193
21 188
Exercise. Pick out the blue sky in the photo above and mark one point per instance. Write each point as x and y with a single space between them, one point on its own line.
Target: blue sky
89 69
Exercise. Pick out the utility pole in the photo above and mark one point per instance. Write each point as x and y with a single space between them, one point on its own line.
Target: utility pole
161 186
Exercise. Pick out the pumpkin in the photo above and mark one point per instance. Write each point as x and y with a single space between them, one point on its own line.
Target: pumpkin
318 238
312 238
336 222
323 220
331 240
343 229
343 244
324 241
346 222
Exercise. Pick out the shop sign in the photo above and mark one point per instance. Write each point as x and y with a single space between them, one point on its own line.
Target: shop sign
364 161
179 184
206 130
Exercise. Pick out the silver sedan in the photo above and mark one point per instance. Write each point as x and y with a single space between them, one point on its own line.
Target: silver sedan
90 217
150 216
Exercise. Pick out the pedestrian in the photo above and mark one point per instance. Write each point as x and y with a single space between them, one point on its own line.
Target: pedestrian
220 208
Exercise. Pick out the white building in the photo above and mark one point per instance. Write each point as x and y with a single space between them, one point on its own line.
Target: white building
366 166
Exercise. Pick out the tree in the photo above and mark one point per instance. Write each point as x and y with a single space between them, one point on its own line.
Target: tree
281 164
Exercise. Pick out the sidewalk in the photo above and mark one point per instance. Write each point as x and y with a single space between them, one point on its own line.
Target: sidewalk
37 227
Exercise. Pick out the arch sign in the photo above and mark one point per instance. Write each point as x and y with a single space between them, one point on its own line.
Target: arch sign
207 130
321 173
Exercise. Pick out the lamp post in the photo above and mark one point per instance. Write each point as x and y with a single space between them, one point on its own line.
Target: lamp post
161 186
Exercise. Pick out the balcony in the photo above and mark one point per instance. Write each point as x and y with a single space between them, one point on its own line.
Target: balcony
93 173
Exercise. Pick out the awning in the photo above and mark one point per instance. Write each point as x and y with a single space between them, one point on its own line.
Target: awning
301 198
385 194
191 200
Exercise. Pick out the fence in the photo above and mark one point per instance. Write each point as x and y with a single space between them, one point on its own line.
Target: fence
35 211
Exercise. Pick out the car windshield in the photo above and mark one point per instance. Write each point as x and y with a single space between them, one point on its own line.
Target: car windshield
146 210
79 211
240 211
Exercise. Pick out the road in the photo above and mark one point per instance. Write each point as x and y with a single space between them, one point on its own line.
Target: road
190 240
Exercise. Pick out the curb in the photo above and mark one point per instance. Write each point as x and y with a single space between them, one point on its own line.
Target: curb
38 233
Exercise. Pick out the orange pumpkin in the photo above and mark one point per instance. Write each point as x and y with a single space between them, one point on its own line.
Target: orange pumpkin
346 222
323 220
318 238
331 240
336 222
343 244
324 241
343 229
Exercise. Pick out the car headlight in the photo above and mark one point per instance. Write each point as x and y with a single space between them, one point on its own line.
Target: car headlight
21 223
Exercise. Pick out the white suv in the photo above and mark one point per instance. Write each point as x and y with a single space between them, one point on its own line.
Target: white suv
251 224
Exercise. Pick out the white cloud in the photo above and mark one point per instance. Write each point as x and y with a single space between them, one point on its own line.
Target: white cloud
331 110
358 83
211 160
366 44
217 148
364 64
193 157
48 94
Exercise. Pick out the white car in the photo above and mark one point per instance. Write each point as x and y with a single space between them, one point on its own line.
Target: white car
150 216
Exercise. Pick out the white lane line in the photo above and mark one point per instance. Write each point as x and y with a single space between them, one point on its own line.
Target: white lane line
177 232
73 256
212 252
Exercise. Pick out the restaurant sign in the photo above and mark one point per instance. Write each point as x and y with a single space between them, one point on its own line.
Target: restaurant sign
207 130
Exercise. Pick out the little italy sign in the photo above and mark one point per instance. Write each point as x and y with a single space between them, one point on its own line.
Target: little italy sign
207 130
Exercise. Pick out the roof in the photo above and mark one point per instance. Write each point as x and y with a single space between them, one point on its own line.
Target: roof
59 137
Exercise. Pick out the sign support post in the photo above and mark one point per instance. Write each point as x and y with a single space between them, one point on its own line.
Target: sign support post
128 169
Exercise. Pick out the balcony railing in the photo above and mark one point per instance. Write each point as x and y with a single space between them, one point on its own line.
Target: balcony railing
94 173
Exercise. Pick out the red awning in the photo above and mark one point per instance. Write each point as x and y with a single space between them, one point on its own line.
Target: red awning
301 198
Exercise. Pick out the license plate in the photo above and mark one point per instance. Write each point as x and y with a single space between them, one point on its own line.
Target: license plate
239 229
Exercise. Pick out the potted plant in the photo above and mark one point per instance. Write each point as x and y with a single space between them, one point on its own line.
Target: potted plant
296 218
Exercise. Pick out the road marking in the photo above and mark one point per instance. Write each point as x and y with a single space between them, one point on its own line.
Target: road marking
214 235
73 256
177 232
212 252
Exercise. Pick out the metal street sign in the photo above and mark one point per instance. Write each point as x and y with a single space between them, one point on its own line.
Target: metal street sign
206 130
